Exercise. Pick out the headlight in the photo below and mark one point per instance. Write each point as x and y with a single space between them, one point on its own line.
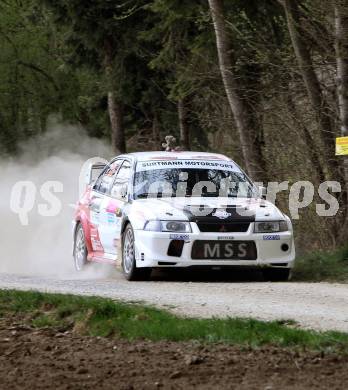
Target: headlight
168 226
271 227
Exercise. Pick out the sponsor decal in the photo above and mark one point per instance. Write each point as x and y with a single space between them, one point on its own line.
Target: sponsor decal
221 214
225 238
95 240
197 164
111 218
113 208
182 237
271 237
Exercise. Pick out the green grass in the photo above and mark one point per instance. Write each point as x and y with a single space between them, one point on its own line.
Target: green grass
107 318
322 266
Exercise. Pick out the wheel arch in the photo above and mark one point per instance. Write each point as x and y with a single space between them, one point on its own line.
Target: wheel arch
83 221
125 223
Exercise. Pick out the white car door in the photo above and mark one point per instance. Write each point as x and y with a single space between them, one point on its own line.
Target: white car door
96 206
110 222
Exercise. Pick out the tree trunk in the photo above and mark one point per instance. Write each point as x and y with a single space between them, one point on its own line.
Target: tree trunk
243 116
341 47
183 125
115 107
116 121
312 148
318 102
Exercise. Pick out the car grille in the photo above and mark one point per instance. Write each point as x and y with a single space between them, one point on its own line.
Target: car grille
223 227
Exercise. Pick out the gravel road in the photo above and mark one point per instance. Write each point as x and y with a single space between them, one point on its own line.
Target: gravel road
321 306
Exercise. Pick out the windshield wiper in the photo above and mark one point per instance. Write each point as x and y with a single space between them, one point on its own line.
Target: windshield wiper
152 195
144 195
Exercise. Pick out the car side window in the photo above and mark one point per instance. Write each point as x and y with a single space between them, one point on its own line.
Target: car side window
105 181
119 189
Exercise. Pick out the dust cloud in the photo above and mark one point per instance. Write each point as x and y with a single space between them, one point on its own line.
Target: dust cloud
44 246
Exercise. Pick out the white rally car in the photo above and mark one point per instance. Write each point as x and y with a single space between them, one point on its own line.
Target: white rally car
179 209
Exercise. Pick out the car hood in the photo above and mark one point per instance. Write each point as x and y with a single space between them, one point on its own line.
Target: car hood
191 209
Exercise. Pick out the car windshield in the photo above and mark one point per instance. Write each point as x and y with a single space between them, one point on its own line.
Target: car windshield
191 182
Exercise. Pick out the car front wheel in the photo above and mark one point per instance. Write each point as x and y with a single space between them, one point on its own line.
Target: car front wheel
80 249
130 270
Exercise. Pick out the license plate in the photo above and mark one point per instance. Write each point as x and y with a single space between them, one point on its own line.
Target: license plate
224 250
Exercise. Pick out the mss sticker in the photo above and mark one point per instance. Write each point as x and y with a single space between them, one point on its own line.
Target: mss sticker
273 237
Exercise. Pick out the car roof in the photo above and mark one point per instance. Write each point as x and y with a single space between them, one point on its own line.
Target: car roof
176 155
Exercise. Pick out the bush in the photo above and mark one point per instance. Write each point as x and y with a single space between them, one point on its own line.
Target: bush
322 266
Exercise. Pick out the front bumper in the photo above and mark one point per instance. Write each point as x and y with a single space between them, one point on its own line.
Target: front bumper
152 249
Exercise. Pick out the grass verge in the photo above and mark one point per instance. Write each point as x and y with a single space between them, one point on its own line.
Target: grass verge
107 318
322 266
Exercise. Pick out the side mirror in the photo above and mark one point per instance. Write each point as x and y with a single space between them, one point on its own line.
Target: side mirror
124 191
119 191
262 192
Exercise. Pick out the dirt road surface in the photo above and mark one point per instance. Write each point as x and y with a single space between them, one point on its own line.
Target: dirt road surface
55 359
320 306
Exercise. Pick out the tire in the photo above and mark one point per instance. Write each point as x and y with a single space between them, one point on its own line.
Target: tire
80 249
129 267
276 274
